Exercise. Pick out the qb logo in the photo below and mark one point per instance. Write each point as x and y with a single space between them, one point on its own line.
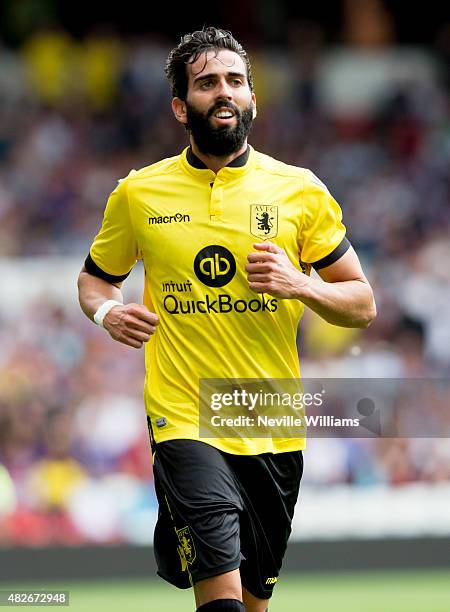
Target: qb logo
215 266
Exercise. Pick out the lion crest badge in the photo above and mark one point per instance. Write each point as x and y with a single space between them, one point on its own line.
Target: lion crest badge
264 220
187 544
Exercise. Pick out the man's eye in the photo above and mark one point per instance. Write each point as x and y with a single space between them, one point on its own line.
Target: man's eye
206 84
236 82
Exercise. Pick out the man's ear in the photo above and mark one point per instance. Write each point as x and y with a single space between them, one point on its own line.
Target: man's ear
179 110
255 112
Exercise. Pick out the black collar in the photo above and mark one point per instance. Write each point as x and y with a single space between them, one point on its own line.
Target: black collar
238 162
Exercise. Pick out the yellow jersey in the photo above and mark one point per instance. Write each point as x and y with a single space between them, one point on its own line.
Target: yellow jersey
193 230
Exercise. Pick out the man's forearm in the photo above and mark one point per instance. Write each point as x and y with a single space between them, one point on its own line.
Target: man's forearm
93 291
131 324
347 304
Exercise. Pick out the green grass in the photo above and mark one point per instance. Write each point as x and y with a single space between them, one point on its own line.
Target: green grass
424 591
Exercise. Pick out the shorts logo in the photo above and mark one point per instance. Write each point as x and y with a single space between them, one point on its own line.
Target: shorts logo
187 544
271 580
214 266
264 220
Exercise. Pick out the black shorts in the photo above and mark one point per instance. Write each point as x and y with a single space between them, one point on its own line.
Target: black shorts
219 512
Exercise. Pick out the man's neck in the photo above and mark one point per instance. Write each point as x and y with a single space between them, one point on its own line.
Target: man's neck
216 163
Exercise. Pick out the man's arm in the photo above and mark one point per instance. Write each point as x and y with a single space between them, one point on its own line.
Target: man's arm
131 324
345 299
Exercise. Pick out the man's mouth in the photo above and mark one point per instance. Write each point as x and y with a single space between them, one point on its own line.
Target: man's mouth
223 113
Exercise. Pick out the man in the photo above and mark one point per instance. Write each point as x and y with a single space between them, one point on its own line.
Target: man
218 304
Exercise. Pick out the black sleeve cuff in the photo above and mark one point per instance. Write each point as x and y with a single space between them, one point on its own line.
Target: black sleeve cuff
92 268
336 254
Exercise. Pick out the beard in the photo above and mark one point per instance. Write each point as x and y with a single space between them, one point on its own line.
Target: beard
223 140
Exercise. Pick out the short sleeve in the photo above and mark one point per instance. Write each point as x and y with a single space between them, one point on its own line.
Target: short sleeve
114 250
321 235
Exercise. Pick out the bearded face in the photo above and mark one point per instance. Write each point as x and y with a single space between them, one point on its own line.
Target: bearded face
219 140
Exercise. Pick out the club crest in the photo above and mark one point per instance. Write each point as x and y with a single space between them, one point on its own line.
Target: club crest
187 544
264 220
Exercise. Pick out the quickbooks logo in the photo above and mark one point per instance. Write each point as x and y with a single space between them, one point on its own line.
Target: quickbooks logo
178 218
220 304
215 266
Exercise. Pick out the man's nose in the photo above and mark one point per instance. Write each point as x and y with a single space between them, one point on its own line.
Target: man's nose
224 90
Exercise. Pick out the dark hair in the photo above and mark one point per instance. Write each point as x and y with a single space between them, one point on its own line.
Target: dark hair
191 47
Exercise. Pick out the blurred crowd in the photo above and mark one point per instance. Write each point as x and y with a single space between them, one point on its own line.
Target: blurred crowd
74 118
73 434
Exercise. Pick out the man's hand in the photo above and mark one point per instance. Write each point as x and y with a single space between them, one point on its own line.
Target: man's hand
131 324
271 271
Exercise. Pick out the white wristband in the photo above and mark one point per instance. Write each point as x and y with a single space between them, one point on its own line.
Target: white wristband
104 309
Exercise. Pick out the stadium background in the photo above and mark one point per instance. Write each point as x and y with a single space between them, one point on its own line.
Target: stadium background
356 90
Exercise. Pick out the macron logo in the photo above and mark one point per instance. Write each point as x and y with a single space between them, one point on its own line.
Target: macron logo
178 218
